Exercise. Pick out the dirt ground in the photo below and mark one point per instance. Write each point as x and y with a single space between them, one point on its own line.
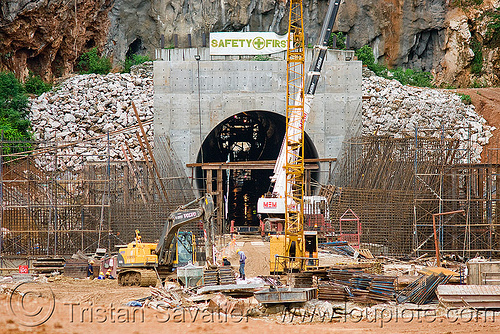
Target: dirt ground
84 306
487 103
256 251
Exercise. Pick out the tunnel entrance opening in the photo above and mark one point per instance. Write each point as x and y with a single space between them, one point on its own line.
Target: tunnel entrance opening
251 136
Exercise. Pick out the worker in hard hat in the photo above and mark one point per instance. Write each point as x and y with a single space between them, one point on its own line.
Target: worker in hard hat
108 274
225 261
90 269
242 263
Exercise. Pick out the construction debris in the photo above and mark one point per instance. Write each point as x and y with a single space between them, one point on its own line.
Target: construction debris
390 108
422 290
169 297
357 286
86 106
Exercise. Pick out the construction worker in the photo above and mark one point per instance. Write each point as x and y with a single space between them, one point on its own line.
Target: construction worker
242 263
90 269
225 261
108 274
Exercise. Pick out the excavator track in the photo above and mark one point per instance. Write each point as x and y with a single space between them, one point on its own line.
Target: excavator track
137 277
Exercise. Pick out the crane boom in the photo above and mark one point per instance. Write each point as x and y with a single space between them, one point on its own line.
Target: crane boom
321 48
279 178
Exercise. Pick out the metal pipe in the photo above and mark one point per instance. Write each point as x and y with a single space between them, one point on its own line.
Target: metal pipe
436 241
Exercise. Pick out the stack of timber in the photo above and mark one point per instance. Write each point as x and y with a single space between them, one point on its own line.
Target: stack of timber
300 280
210 277
333 291
219 276
76 268
226 275
44 265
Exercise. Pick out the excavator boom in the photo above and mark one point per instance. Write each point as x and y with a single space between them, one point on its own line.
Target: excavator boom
176 220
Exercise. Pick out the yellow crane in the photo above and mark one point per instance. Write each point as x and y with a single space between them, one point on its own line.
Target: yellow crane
297 249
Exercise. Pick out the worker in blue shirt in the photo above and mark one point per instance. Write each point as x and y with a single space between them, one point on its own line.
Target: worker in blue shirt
242 263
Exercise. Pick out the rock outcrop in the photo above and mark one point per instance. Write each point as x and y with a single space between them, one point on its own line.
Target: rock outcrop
47 36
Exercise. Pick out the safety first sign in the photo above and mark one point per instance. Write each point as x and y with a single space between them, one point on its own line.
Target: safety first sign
246 43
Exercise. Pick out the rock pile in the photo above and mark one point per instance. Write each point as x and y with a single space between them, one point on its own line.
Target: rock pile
88 106
389 108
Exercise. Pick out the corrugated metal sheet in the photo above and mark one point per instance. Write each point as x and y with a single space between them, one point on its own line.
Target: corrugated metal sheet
469 295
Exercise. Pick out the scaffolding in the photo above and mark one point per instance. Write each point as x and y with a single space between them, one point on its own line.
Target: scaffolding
396 185
454 182
58 197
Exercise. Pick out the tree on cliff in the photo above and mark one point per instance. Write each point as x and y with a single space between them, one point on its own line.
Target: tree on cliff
14 109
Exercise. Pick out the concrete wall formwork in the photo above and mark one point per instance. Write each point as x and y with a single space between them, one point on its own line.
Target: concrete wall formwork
231 85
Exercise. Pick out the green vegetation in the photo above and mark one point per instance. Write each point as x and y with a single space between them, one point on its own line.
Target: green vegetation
340 40
478 84
134 60
413 78
365 54
465 98
477 61
35 85
466 3
14 109
91 62
493 27
406 77
447 86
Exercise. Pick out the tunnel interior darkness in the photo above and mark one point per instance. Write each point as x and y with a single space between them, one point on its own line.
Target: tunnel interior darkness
247 136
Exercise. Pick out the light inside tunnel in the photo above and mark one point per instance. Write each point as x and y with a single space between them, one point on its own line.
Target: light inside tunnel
247 136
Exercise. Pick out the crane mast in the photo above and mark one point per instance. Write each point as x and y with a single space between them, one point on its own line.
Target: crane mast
288 175
294 165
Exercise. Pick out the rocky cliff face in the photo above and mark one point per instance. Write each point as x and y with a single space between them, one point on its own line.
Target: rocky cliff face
46 36
429 35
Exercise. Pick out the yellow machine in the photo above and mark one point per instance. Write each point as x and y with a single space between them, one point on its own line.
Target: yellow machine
300 256
296 250
141 263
